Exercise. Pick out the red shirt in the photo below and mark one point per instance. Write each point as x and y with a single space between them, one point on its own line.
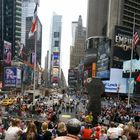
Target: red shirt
86 133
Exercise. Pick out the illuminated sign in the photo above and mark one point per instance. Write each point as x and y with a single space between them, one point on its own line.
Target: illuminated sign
55 49
56 56
55 72
12 77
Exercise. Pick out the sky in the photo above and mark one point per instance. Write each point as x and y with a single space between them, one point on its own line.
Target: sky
70 11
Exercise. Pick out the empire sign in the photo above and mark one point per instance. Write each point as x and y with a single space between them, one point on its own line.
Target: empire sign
123 39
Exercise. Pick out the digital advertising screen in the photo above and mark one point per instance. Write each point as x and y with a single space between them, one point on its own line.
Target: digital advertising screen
122 46
12 77
7 52
55 55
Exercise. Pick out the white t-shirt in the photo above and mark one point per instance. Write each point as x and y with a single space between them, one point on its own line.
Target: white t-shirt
12 133
112 133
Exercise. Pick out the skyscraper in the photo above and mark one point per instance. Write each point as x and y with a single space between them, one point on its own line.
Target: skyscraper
55 49
78 41
28 7
10 22
10 29
30 42
121 12
97 17
114 20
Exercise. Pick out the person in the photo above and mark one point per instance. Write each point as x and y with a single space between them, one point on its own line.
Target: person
112 132
31 133
61 129
120 130
103 135
89 118
86 133
14 131
46 134
73 129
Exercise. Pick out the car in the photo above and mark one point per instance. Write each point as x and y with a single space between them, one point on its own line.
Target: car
8 101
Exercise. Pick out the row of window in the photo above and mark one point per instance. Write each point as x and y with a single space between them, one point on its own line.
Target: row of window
132 4
56 34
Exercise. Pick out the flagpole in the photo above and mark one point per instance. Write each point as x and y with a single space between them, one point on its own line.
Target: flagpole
130 75
34 86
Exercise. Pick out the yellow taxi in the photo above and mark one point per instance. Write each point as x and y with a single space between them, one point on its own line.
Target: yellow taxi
7 101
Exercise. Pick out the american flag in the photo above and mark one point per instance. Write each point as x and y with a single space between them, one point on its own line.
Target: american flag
136 38
34 23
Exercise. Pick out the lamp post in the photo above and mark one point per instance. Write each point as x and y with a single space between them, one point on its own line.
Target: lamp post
118 88
130 75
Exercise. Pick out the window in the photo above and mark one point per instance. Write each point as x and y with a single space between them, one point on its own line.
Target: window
56 34
56 43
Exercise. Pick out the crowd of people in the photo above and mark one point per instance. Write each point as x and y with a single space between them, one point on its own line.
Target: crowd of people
116 121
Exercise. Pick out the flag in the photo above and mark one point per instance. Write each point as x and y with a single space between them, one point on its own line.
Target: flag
136 38
138 78
34 22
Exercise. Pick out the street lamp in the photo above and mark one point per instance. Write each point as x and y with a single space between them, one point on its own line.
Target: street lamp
118 88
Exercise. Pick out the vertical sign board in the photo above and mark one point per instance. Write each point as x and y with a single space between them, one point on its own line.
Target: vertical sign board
12 77
93 69
7 53
18 78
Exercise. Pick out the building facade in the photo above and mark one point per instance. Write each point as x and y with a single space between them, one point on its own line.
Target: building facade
55 50
77 50
30 42
97 17
10 22
121 12
118 15
10 31
28 7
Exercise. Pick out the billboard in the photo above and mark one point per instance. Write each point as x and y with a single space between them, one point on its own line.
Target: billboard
93 69
55 49
55 72
55 55
127 67
7 52
116 81
12 77
55 79
122 46
56 63
103 58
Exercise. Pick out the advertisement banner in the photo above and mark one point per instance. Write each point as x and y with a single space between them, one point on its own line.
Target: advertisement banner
103 59
116 81
56 56
56 63
55 72
122 46
55 49
135 68
55 79
12 77
7 53
93 69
